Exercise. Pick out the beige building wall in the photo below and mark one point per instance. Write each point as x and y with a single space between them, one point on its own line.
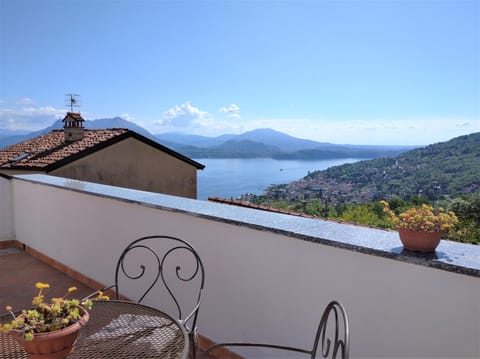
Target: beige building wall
133 164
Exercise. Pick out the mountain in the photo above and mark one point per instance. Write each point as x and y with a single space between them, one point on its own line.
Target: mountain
182 139
7 132
327 151
274 138
118 122
7 138
232 149
266 136
268 143
450 168
10 137
260 143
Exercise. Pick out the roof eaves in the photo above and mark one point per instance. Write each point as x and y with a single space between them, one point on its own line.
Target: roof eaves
23 168
116 139
4 175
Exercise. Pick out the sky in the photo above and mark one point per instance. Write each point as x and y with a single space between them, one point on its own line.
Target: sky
360 72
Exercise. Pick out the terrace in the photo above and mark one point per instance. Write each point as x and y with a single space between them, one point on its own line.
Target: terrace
268 275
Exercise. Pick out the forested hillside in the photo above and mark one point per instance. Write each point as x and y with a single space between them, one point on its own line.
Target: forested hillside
445 174
449 168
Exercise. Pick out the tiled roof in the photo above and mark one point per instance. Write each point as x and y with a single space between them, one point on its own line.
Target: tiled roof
50 151
45 150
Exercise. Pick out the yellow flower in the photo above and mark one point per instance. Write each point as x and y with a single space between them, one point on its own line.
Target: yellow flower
37 300
102 296
41 285
45 317
425 218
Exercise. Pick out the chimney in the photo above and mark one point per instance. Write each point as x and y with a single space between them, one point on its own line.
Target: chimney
73 126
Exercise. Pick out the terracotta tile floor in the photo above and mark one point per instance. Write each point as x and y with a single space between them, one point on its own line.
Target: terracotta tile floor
18 274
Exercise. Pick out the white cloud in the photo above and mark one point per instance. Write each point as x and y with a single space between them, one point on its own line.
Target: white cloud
380 131
229 109
25 101
29 118
190 119
233 111
182 116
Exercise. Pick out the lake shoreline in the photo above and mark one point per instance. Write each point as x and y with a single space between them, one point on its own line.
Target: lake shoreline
233 177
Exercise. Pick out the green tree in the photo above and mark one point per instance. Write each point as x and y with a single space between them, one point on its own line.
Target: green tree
364 214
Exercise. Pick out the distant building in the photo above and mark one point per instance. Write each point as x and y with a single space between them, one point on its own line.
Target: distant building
117 157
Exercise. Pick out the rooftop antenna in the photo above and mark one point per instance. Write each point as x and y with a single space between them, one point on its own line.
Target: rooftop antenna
72 100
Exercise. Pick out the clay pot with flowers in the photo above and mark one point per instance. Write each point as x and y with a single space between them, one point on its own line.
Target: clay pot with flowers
49 330
421 229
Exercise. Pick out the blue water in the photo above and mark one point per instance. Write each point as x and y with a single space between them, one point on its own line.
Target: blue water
230 178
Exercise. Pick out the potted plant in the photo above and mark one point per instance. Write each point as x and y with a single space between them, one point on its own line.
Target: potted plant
420 229
49 330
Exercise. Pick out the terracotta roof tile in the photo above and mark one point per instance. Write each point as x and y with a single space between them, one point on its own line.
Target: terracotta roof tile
45 150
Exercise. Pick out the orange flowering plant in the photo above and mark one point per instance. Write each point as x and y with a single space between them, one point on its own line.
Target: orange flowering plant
47 317
423 219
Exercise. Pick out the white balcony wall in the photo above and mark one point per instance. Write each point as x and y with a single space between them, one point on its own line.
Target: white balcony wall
261 285
7 228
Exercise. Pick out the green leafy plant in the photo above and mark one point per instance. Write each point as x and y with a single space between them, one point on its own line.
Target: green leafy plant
424 218
47 317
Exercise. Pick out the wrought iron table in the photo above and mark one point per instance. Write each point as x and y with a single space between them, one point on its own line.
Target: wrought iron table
119 329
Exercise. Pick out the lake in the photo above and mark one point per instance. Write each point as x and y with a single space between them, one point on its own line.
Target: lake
233 177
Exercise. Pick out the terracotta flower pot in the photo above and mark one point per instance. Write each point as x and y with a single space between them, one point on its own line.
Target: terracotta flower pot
420 241
52 345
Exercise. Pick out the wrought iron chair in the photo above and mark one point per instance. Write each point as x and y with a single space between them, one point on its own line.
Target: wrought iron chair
163 250
333 335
